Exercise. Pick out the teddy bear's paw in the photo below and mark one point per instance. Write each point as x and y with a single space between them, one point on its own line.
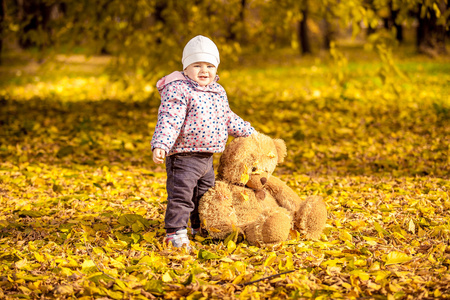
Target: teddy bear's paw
311 217
271 227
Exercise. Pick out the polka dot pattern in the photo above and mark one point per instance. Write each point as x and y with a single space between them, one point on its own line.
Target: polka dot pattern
192 118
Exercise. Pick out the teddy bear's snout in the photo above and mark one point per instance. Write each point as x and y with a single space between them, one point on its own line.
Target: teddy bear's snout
263 180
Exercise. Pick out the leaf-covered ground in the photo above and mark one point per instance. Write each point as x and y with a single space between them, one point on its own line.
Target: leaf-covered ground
82 204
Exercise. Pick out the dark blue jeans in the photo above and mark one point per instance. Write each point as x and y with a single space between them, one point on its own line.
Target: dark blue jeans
189 176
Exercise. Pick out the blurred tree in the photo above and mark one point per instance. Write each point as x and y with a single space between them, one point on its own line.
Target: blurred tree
303 35
160 6
2 24
390 21
148 35
236 30
34 17
432 17
328 29
101 35
326 15
433 24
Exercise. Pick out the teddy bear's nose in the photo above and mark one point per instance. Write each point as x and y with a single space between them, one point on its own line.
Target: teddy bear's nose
263 180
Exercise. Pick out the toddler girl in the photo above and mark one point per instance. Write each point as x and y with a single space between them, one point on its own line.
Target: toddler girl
194 121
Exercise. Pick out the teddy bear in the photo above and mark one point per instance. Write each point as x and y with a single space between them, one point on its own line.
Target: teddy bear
248 197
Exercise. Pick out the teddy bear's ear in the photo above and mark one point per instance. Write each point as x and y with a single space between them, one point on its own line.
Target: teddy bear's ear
281 149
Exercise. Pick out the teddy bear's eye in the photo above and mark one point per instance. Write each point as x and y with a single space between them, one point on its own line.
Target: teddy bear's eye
254 169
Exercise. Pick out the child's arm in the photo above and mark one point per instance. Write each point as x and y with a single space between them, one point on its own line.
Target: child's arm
237 127
171 116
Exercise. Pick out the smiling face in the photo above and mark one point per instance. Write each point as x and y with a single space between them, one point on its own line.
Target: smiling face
201 72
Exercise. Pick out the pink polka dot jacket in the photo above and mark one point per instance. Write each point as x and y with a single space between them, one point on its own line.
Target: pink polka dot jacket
192 118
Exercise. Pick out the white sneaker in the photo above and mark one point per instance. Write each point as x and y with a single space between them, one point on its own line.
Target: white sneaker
178 239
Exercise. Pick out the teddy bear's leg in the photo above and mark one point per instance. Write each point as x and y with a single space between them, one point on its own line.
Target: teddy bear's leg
271 227
311 217
216 211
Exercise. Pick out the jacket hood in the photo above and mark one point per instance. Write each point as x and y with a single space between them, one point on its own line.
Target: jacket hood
177 75
169 78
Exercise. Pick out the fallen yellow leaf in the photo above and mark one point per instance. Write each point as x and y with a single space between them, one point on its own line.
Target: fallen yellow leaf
396 257
166 277
214 229
245 177
244 195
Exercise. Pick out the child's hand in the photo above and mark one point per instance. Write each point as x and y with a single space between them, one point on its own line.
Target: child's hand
159 155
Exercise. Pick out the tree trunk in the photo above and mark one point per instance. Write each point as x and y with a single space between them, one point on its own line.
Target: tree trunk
389 22
431 36
160 6
232 34
2 20
303 37
102 37
398 27
35 14
328 34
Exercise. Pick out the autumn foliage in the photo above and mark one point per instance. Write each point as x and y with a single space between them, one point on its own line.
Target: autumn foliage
82 204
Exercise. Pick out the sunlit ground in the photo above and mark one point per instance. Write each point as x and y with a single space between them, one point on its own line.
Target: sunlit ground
372 141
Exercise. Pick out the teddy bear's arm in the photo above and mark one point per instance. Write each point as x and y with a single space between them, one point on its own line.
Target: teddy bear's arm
310 215
216 210
283 194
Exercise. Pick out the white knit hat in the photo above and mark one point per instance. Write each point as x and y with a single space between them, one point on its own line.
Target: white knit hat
200 49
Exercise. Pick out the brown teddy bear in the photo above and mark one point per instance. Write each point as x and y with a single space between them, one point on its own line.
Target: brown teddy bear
247 196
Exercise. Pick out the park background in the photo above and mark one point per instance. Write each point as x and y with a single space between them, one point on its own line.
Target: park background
359 90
